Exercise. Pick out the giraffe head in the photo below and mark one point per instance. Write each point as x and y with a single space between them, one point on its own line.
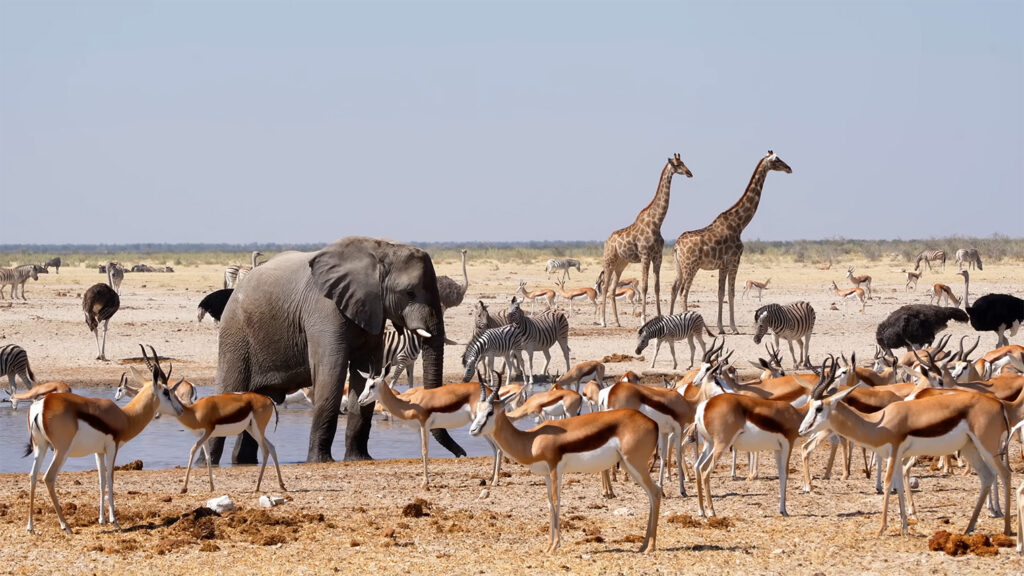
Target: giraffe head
678 167
776 163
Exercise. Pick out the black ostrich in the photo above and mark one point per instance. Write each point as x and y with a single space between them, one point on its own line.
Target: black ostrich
214 303
994 312
915 325
100 303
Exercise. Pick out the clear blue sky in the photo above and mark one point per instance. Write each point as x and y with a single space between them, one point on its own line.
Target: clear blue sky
303 122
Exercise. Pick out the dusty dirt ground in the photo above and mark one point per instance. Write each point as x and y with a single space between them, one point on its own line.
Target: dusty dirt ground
350 517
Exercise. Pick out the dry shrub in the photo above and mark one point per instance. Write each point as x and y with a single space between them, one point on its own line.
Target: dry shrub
170 544
418 508
721 523
686 520
133 465
631 538
1003 541
128 545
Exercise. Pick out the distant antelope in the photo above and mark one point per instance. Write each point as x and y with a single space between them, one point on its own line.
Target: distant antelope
754 284
532 295
927 256
940 291
855 293
574 293
859 280
912 278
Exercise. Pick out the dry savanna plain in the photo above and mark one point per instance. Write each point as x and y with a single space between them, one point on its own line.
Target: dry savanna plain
373 517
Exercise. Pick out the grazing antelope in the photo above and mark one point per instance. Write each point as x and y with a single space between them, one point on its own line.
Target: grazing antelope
940 291
750 424
450 406
554 404
37 392
974 424
859 281
570 295
185 391
75 426
583 371
855 293
533 295
588 443
912 278
755 285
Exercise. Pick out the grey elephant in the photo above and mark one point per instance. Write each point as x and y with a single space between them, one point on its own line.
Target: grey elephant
308 318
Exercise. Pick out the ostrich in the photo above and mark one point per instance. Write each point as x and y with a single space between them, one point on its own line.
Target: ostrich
915 326
994 313
450 291
100 303
214 303
115 275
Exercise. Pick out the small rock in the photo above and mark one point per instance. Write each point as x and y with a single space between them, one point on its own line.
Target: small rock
484 494
221 504
623 512
271 501
914 483
777 551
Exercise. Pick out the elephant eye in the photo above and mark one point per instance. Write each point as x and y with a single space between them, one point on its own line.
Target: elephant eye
411 294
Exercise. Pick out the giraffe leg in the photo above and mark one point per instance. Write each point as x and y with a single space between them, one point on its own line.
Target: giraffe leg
732 298
645 266
721 297
656 264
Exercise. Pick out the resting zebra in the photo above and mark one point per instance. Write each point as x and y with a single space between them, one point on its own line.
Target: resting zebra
927 256
14 362
968 257
18 276
562 264
671 329
793 322
55 262
505 341
540 333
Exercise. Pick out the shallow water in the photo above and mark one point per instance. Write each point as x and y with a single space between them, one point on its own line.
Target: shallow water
165 443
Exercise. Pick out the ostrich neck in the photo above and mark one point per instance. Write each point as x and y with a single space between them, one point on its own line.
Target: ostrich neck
465 277
746 206
253 259
967 283
658 208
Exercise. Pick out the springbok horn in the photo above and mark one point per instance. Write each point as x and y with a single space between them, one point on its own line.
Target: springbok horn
968 353
483 391
156 359
145 356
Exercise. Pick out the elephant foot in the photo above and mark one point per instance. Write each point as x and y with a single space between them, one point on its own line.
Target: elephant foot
353 457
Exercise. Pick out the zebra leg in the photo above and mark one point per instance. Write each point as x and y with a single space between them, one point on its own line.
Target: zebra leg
547 360
693 350
657 347
805 349
672 349
792 354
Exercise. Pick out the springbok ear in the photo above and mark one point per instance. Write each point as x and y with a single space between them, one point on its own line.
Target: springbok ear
350 273
139 376
838 397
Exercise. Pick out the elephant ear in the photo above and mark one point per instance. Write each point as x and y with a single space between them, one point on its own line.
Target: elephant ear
349 273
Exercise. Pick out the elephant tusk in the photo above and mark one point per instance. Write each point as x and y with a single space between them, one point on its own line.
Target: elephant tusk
423 333
451 342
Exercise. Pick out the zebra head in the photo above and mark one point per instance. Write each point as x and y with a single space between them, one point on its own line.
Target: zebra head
480 318
645 333
761 321
515 312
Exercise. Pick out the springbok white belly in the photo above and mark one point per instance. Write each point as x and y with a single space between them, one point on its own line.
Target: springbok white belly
602 398
591 461
751 439
455 419
937 445
88 441
666 424
225 430
556 410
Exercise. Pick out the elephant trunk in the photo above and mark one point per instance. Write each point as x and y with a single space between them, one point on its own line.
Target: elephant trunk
433 376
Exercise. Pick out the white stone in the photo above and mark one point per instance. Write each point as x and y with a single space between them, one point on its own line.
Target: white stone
914 483
623 512
485 494
221 504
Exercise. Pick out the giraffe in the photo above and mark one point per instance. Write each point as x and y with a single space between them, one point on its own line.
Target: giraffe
640 242
718 245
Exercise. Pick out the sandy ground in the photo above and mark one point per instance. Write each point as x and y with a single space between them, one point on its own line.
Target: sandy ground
347 517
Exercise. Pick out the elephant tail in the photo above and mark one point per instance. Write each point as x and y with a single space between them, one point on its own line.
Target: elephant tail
444 439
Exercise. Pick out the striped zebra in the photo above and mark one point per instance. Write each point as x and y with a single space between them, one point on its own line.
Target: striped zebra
793 322
115 275
671 329
54 262
968 257
18 276
14 362
540 333
564 265
928 256
401 349
235 273
505 341
483 319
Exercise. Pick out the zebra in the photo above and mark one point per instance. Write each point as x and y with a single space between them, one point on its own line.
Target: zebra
671 329
19 276
401 349
928 256
55 262
969 257
793 322
562 264
483 319
235 273
115 274
540 333
505 341
14 362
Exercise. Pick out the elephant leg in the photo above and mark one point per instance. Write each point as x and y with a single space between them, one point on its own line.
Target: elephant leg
246 450
357 432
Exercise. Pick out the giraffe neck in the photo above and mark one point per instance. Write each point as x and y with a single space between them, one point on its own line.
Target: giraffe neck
742 212
655 212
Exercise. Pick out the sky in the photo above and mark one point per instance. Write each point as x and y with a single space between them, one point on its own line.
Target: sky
301 122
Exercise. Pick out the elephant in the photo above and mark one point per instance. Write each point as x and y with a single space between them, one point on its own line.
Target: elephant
306 318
